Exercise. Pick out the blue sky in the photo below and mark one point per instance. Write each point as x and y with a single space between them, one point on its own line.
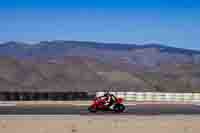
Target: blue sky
169 22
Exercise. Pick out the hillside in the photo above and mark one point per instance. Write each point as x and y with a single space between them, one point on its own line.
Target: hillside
91 66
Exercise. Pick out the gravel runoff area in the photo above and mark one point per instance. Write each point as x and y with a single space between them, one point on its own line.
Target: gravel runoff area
100 124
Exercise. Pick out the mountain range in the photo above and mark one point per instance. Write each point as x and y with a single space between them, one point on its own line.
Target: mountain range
79 65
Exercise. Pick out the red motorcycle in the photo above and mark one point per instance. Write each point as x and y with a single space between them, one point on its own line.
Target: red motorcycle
107 102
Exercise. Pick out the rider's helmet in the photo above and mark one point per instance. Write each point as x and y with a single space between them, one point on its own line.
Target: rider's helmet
106 94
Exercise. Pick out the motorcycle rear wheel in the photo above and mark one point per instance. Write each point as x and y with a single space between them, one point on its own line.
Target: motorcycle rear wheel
92 109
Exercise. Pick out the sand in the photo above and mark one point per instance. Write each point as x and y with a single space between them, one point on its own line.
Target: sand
99 124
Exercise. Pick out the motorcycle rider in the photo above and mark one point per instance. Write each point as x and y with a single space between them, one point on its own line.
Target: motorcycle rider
107 102
110 99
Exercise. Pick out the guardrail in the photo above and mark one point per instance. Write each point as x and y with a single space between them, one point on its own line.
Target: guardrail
156 96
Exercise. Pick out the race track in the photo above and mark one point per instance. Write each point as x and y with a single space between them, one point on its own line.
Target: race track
140 109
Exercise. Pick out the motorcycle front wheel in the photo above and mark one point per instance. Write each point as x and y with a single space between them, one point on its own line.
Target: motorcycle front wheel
118 108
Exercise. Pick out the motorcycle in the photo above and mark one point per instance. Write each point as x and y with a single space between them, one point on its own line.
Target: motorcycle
107 102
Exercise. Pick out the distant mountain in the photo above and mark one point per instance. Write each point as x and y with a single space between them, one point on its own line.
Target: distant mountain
93 66
149 55
97 45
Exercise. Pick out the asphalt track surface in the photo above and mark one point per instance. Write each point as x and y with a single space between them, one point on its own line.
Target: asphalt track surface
143 109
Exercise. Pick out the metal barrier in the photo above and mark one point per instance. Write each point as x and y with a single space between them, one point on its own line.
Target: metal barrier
47 96
156 96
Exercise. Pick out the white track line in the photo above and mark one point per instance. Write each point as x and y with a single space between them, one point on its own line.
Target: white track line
3 104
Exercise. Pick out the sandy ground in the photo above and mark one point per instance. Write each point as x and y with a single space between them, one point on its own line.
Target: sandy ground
99 124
